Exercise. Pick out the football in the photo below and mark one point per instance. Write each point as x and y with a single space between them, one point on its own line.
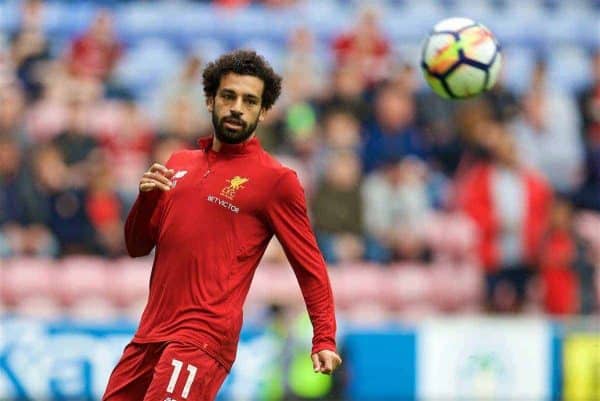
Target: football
460 58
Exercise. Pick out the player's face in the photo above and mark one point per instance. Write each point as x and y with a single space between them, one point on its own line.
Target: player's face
237 107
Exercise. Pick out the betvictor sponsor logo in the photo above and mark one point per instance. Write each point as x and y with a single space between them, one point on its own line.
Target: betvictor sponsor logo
223 203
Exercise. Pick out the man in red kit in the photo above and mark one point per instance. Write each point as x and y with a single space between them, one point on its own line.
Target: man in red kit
210 213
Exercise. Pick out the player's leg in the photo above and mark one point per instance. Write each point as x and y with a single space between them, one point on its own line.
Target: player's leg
184 372
131 377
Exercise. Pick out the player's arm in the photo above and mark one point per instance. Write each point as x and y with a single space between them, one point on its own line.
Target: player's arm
141 227
287 215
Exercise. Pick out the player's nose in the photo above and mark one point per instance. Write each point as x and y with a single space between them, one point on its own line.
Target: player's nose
236 107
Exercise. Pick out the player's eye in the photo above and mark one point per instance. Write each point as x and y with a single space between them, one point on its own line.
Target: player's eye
251 101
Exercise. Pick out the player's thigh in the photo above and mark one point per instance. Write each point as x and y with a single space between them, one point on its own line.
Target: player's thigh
132 375
184 372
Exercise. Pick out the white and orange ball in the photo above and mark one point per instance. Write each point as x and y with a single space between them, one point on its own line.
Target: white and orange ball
460 58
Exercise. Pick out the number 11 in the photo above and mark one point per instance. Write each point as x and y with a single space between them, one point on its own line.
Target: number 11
177 365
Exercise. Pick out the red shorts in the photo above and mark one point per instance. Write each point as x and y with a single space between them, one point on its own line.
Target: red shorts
164 372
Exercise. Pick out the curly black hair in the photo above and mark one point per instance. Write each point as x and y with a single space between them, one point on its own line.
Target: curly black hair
243 62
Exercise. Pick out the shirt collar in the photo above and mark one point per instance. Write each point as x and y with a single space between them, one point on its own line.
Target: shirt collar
249 146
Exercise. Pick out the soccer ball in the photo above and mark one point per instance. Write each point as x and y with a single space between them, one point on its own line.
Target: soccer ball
460 59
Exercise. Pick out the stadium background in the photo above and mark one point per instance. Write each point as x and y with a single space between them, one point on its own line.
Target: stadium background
92 91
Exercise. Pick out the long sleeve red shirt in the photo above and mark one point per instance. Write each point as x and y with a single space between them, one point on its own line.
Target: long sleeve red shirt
210 231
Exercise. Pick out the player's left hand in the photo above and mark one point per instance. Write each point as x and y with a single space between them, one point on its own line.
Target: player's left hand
326 361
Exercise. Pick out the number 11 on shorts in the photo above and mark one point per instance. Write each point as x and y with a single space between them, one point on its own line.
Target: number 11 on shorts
177 365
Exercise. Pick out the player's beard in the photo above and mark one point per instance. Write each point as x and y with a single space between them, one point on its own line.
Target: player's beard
230 136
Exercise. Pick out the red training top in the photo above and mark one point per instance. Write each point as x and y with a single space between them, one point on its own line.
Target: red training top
210 231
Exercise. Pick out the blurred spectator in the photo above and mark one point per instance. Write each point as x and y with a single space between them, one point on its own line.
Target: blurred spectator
392 134
186 88
32 14
232 3
395 205
347 93
60 206
302 61
502 100
126 139
163 148
557 259
76 144
366 46
589 109
104 209
96 52
184 121
6 67
12 110
13 182
547 133
337 209
130 133
510 205
20 233
30 53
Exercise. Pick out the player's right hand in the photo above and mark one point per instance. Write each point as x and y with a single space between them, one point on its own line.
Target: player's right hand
157 177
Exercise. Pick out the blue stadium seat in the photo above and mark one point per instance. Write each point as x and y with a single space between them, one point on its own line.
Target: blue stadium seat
328 21
273 53
9 17
413 20
478 10
518 66
148 64
138 20
207 48
569 67
561 26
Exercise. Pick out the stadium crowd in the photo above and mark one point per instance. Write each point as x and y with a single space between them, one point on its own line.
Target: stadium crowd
392 173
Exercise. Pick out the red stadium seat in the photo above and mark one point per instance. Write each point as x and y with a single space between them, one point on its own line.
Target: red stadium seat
451 235
357 282
38 306
81 276
129 280
275 283
24 277
406 284
93 308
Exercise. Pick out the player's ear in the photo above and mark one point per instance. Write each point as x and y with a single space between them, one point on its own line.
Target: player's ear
262 114
210 104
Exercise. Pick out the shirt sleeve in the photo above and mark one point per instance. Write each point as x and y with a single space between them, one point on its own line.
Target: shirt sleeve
142 224
287 215
141 227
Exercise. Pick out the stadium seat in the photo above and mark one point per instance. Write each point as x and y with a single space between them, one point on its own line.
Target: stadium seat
481 11
25 277
129 280
361 281
148 64
406 284
519 62
38 306
569 67
81 276
140 19
208 48
92 308
366 314
9 16
453 286
450 235
274 54
326 22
